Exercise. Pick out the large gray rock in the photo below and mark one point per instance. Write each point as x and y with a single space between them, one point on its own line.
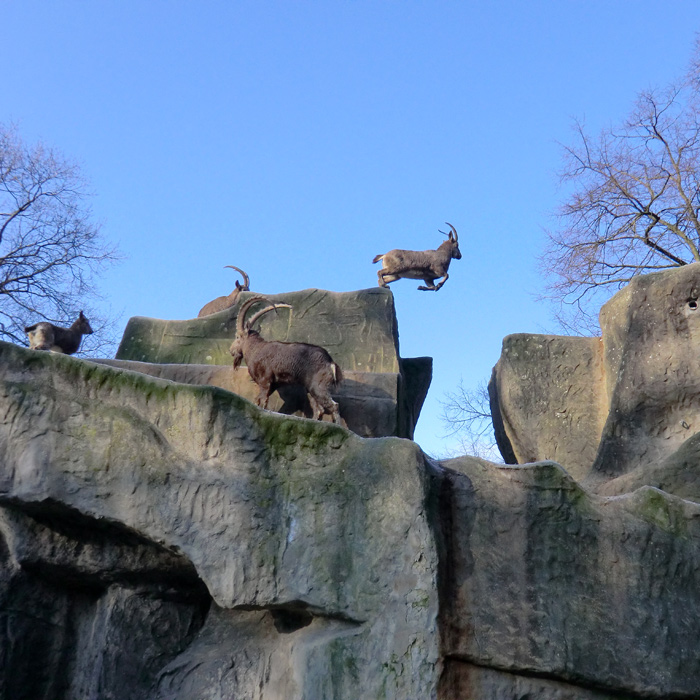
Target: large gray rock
163 538
548 400
382 394
541 578
326 535
610 406
651 334
358 329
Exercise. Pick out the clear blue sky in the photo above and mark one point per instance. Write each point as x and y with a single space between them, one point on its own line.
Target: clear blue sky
298 139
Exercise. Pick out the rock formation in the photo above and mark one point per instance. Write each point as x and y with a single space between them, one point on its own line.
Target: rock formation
608 409
382 393
161 540
168 540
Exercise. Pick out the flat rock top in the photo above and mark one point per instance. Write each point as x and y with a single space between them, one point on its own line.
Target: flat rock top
358 328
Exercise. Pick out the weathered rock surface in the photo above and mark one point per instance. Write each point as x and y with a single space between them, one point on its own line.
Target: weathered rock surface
543 580
322 533
382 394
359 330
166 541
607 407
548 400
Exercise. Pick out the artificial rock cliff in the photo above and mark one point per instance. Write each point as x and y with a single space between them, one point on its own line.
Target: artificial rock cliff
166 540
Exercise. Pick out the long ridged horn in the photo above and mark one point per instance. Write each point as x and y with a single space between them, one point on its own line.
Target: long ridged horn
258 314
454 230
245 307
246 280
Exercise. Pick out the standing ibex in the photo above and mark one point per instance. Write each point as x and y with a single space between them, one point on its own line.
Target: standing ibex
426 265
46 336
273 364
226 302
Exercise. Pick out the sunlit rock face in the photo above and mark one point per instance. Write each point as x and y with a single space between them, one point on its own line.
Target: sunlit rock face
269 556
162 538
552 592
612 407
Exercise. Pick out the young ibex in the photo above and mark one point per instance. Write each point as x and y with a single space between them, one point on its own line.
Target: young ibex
226 302
46 336
274 364
426 265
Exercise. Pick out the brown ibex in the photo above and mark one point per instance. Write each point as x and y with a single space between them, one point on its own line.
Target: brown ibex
46 336
273 364
426 265
226 302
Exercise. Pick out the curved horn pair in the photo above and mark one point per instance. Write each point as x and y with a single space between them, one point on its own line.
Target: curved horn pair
246 280
242 325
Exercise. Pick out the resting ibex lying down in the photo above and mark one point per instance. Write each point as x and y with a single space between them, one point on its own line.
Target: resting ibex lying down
46 336
426 265
226 302
273 364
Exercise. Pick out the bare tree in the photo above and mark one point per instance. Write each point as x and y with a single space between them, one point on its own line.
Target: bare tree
634 203
50 249
466 413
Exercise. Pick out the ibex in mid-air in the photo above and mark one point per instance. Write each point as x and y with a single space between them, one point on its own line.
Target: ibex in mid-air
426 265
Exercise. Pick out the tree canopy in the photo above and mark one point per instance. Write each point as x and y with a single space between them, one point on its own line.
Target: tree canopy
50 250
634 202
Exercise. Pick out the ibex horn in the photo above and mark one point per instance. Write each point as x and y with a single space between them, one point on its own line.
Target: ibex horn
246 280
245 307
272 307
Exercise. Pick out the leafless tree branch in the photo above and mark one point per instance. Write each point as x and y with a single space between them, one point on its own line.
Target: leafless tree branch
634 205
50 250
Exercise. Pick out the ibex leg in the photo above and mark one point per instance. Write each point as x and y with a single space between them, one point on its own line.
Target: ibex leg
263 396
444 279
384 278
325 404
430 286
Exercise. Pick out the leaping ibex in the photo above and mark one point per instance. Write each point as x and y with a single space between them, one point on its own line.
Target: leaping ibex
273 363
426 265
226 302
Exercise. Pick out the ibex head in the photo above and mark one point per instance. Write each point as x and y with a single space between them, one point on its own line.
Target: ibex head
83 325
244 328
246 280
452 240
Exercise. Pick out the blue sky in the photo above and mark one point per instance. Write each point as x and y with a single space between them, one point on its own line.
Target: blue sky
299 139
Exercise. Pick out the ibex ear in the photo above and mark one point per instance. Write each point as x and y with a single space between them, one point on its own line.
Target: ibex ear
238 285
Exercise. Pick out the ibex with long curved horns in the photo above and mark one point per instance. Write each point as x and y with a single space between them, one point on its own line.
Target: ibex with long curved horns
426 265
226 302
273 363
